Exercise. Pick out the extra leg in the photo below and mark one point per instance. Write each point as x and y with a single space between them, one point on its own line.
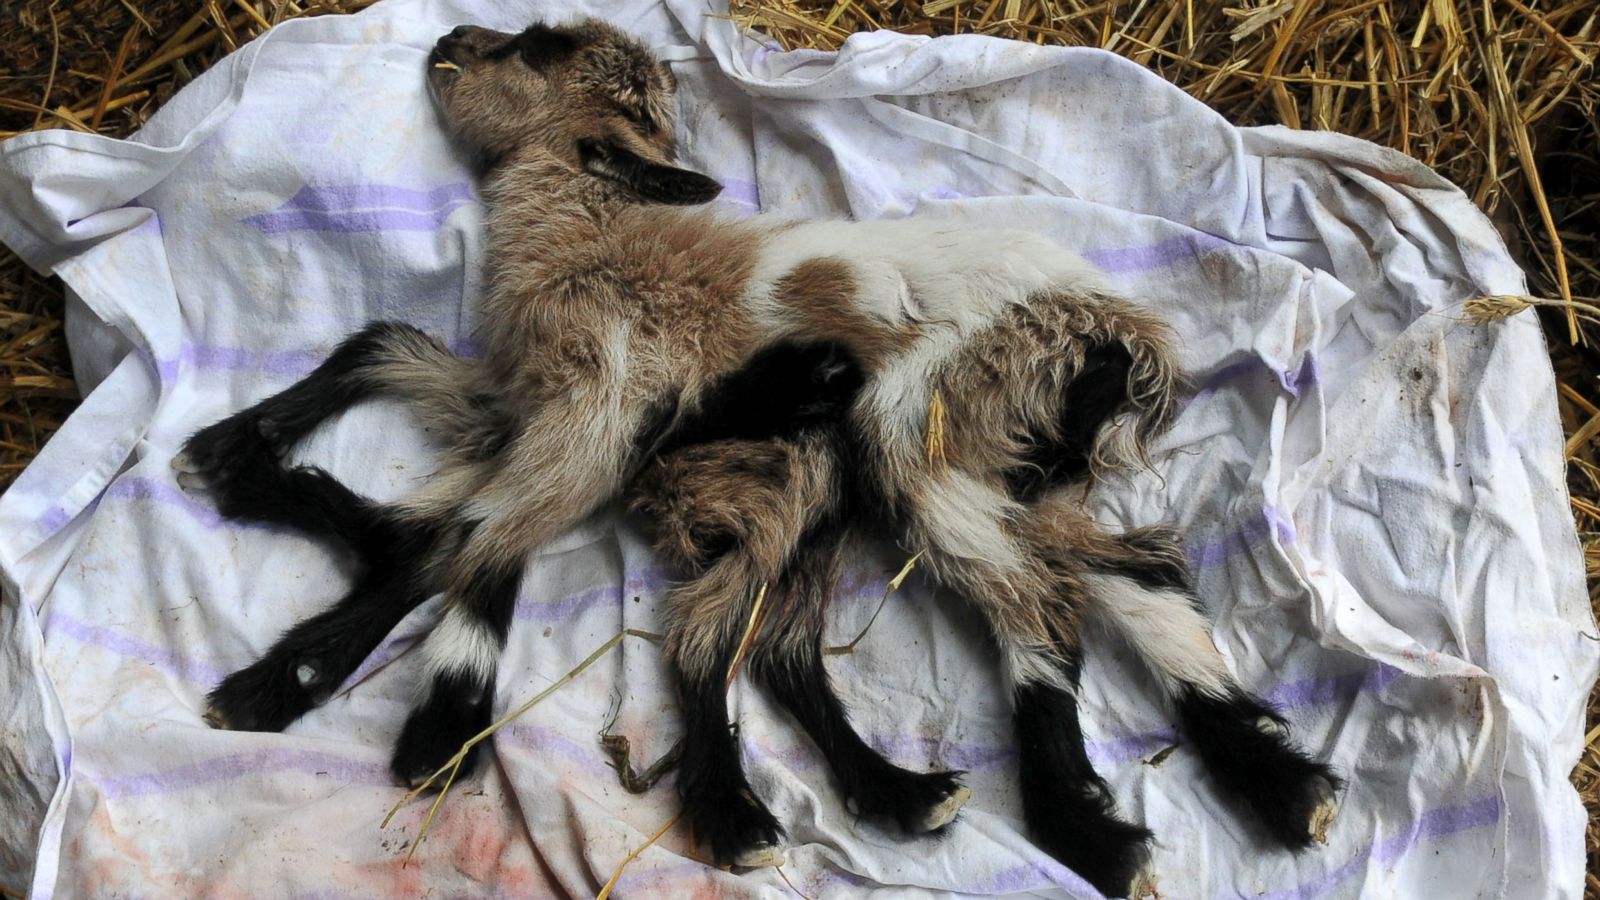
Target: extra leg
723 810
973 546
1246 748
461 657
385 358
1069 809
314 657
561 466
741 514
733 514
790 664
1242 743
313 502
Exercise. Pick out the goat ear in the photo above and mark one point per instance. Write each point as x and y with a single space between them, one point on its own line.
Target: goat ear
651 180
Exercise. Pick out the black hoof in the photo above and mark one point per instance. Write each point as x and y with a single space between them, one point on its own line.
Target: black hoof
1310 806
1087 837
224 449
735 825
1246 748
920 802
248 480
267 695
455 711
237 463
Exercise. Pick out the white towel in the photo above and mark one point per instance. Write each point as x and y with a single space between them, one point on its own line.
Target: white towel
1372 489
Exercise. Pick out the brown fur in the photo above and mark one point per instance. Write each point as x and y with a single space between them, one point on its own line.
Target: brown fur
825 290
604 310
1025 363
608 311
760 497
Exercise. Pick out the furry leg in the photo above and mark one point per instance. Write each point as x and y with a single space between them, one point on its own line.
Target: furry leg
790 664
385 358
1069 809
723 810
314 657
1244 745
986 547
461 657
310 660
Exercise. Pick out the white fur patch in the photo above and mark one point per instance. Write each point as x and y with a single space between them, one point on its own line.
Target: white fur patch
894 404
947 280
1165 629
461 644
962 517
1033 665
925 271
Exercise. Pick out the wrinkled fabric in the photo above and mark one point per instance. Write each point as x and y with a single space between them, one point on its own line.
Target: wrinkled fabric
1372 491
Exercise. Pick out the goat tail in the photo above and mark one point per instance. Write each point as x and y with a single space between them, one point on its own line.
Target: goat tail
1151 389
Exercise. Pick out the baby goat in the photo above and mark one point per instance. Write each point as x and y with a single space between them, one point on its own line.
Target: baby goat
616 322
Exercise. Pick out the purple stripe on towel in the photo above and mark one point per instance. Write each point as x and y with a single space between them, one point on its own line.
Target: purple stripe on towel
955 754
1307 376
167 494
744 193
1213 552
351 222
1028 877
282 363
233 359
54 519
1322 690
1294 383
536 610
162 657
1123 260
341 197
1122 750
338 770
545 741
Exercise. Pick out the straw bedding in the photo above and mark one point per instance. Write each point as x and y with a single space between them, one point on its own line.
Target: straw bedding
1500 96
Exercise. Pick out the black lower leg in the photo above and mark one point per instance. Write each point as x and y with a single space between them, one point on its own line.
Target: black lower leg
234 449
1068 807
462 655
873 786
724 812
312 501
314 657
1245 747
339 382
